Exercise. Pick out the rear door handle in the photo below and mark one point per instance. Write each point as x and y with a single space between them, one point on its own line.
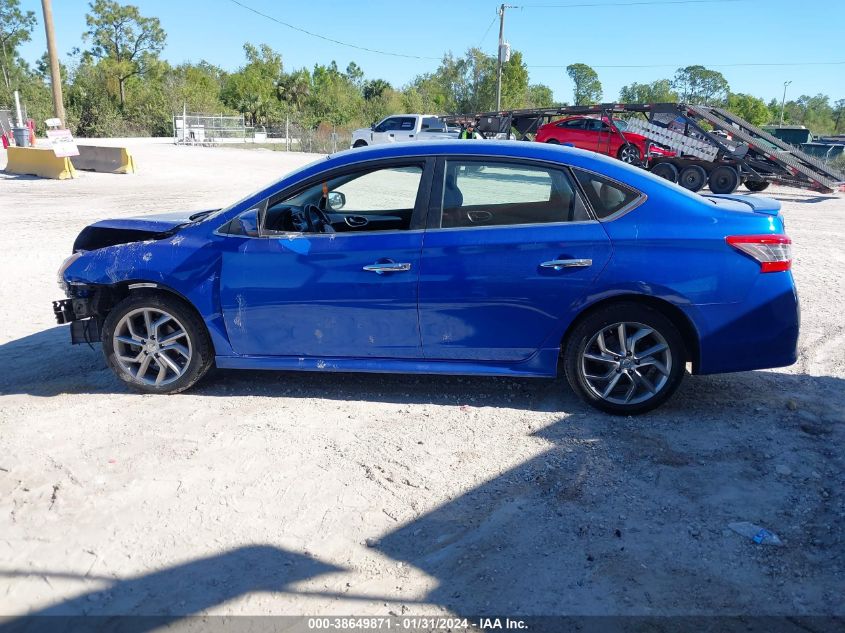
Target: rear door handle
560 264
387 267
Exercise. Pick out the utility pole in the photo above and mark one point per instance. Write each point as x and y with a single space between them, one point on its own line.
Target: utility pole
501 53
783 101
55 71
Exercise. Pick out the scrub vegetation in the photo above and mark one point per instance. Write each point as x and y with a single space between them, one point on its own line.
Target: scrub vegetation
117 84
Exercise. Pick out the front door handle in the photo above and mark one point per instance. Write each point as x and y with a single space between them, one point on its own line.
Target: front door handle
560 264
387 267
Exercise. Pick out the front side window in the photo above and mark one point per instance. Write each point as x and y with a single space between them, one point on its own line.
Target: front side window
377 192
388 125
606 196
366 200
479 193
407 123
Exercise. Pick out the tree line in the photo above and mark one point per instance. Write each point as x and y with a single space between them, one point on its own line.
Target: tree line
116 84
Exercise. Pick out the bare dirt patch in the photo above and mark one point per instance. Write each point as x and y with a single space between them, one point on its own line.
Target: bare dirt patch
333 493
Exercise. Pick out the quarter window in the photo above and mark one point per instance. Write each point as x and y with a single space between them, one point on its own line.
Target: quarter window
606 196
479 193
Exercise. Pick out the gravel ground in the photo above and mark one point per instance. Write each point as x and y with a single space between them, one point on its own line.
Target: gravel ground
271 493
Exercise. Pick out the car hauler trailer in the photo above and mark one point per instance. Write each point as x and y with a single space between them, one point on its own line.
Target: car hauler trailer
712 146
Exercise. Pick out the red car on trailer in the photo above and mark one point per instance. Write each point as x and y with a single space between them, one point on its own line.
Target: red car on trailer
604 136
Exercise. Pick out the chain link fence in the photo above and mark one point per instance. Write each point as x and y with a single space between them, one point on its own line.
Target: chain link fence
211 130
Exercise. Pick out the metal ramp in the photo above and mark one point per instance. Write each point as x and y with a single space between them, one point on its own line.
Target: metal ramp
793 160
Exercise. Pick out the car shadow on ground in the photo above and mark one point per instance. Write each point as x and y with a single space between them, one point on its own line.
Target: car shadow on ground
45 365
173 592
618 516
630 515
615 516
799 198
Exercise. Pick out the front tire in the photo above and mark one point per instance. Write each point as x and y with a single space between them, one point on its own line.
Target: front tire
553 141
629 154
625 359
156 344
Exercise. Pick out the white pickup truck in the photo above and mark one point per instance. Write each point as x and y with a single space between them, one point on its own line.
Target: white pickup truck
403 127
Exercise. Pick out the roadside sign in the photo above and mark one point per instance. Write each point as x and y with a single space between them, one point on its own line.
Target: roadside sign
63 143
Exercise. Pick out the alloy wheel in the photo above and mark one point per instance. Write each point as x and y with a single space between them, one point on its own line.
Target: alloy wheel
629 154
626 363
152 346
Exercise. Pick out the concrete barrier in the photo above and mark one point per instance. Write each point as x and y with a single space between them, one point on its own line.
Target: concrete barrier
36 161
109 160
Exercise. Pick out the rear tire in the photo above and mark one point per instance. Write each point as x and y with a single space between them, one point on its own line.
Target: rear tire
629 379
360 143
757 185
666 170
693 177
629 154
156 343
724 180
553 141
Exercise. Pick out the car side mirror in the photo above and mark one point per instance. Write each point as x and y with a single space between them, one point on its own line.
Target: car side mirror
336 200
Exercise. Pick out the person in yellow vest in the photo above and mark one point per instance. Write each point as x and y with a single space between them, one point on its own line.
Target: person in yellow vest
469 132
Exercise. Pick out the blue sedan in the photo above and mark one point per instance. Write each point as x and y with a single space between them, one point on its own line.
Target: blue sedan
478 258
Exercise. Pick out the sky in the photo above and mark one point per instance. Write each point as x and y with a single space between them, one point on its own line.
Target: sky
624 40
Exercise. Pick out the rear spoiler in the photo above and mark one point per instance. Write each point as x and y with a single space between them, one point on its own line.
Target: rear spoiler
765 206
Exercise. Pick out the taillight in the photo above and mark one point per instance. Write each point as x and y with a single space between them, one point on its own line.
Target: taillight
774 252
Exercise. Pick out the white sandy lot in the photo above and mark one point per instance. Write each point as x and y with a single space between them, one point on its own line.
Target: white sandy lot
257 492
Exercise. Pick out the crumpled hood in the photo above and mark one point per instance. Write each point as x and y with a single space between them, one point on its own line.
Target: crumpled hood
158 222
125 230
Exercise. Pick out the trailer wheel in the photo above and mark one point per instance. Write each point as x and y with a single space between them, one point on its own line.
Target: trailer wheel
666 170
724 179
629 154
360 143
756 185
693 177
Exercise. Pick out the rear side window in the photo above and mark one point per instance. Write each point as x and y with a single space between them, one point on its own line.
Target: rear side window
433 123
606 196
480 193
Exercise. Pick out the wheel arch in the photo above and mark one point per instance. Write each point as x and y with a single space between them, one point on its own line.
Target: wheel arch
679 319
123 289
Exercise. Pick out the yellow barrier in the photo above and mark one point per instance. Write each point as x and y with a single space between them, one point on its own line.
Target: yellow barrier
36 161
109 160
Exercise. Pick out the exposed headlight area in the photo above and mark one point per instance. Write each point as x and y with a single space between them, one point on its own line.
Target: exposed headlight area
60 275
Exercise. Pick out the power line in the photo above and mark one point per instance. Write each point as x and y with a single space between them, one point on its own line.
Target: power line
329 39
489 26
575 5
707 65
